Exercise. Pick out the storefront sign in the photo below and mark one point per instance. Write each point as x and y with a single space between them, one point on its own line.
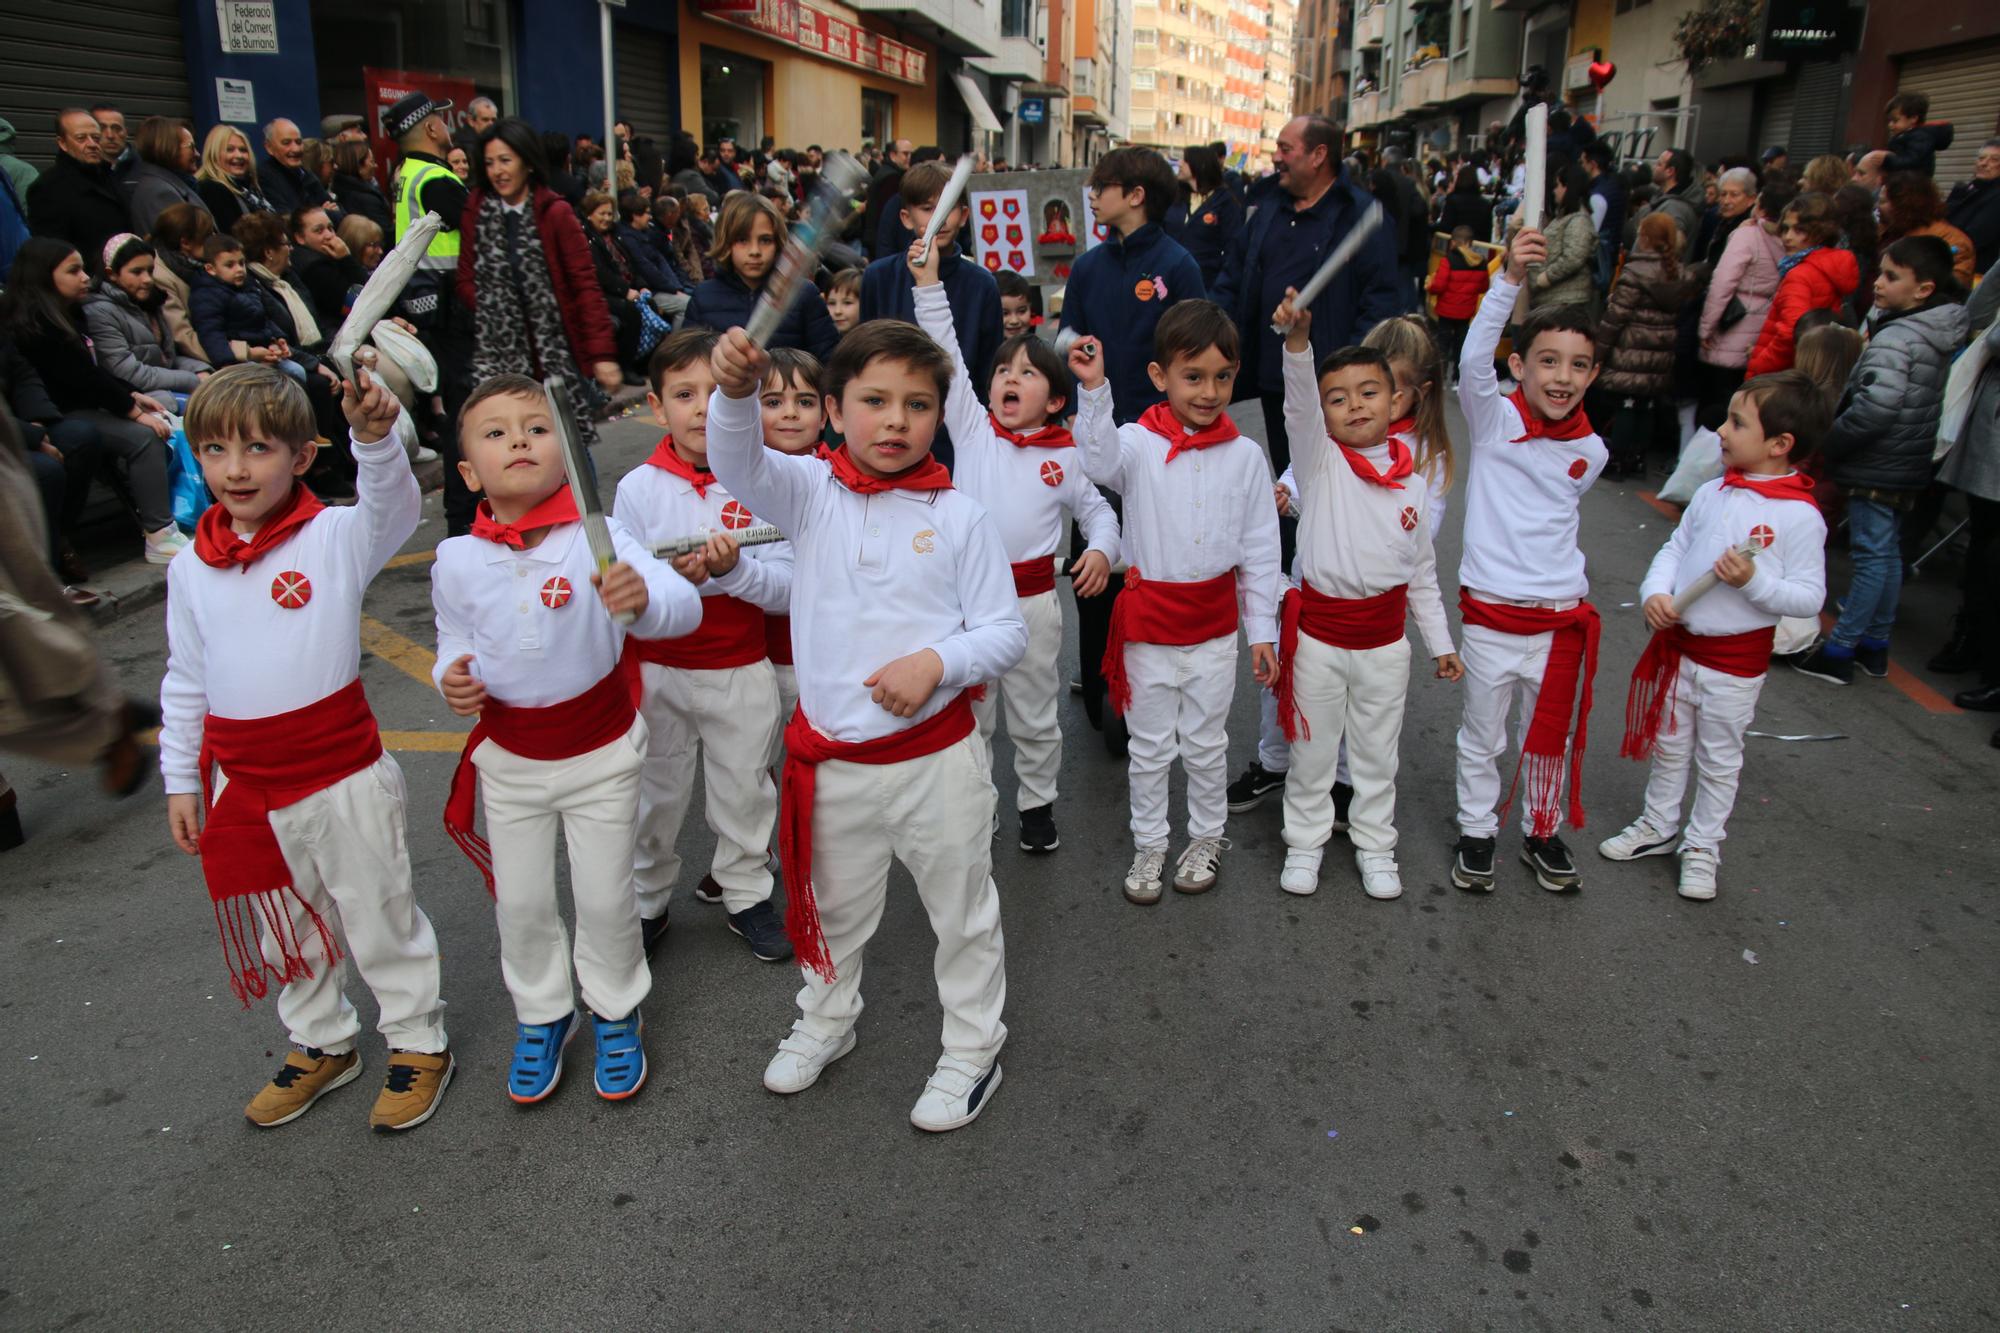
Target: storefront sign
249 27
820 34
1033 111
1807 30
235 101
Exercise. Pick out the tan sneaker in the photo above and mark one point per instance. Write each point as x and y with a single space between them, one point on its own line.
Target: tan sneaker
304 1078
412 1091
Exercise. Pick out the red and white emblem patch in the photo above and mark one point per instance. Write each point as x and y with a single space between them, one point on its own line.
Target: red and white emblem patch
1408 518
1052 473
735 516
1578 468
291 590
555 592
1761 537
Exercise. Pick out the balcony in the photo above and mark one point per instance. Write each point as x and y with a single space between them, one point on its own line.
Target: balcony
1364 110
1369 25
1458 92
1421 89
1014 58
1519 6
961 27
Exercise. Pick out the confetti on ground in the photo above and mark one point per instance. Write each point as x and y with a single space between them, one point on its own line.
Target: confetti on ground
1774 736
229 1247
1749 957
1506 1113
1365 1223
1333 1133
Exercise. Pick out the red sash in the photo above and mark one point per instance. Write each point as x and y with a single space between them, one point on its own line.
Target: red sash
1566 681
1649 702
1357 623
1034 577
1169 613
805 750
778 639
595 718
731 634
270 763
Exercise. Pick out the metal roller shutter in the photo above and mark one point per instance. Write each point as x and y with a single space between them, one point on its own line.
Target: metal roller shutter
1963 84
645 59
1774 117
1816 118
81 52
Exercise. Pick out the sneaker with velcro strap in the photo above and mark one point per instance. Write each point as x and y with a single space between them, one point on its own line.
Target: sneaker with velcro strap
538 1059
1555 870
621 1056
1641 837
1380 879
955 1094
1697 882
306 1076
1301 873
760 928
802 1057
653 930
1472 864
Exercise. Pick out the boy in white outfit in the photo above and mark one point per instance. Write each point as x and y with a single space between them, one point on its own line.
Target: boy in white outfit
1020 461
274 769
1365 565
794 404
542 664
1201 537
711 692
1694 691
902 605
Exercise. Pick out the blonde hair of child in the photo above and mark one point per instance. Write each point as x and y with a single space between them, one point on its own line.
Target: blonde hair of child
248 401
1407 339
1827 355
740 212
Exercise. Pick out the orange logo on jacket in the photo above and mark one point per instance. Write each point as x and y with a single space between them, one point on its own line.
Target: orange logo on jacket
291 590
924 542
1144 291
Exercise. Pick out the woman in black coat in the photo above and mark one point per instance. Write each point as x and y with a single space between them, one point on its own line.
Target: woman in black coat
354 187
1206 216
1466 206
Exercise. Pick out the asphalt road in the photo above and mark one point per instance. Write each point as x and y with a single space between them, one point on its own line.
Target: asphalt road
1242 1110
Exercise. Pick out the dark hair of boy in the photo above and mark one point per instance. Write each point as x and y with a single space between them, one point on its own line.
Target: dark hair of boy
500 386
1190 328
799 369
1042 356
680 349
218 245
1929 259
1789 403
1137 169
890 340
250 402
630 206
1011 283
1774 199
1346 358
848 281
1556 319
1914 105
924 183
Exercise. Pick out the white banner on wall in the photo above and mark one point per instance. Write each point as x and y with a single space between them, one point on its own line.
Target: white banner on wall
1000 231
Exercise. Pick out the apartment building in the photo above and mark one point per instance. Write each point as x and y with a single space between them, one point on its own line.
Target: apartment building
1212 70
1431 72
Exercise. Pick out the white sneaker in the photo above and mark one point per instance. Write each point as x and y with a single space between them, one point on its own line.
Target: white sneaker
1195 871
1642 837
1698 874
164 545
955 1095
1379 877
1142 881
802 1057
424 455
1301 872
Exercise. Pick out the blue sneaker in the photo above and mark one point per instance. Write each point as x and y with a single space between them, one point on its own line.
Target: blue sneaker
760 927
621 1056
538 1054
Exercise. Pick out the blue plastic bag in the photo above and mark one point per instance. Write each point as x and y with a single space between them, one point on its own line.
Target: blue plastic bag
185 487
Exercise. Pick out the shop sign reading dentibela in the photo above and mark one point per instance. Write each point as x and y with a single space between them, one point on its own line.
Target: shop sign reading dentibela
819 33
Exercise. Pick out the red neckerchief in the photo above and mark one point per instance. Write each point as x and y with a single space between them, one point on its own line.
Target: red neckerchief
1403 426
218 545
666 458
929 475
1795 486
1572 427
1160 419
1048 437
1401 464
558 508
822 453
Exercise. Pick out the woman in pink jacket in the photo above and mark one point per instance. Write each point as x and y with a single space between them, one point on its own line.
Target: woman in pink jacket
1739 296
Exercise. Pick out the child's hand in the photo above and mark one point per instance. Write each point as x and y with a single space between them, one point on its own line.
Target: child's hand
923 262
721 554
1284 499
465 692
1659 611
1264 663
620 588
693 566
740 365
1734 568
906 684
371 410
184 822
264 356
1086 362
1091 575
1450 668
1529 246
1295 321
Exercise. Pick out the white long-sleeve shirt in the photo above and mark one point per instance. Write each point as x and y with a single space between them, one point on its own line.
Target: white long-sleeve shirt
876 577
658 507
1790 571
1029 492
1521 499
1358 539
1210 512
537 631
258 640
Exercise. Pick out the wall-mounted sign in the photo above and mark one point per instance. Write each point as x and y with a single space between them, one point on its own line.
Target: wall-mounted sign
1807 30
236 101
248 27
1033 111
820 34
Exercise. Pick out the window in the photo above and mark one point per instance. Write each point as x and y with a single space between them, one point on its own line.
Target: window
1017 18
1142 79
1145 36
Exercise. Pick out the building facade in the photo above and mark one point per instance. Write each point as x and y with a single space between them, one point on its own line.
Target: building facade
1322 56
1207 71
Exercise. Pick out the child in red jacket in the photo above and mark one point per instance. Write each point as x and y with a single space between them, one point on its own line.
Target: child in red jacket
1460 281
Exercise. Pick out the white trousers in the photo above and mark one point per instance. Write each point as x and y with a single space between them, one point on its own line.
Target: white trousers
728 718
1356 695
595 797
1274 752
1711 711
935 815
1031 691
1180 706
350 862
1503 673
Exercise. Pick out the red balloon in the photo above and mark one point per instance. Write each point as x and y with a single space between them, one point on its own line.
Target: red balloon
1601 73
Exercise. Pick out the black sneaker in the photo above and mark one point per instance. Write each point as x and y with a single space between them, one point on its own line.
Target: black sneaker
1472 866
1821 665
1248 792
652 929
1957 657
1038 830
1550 860
1343 796
758 924
1873 659
708 891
